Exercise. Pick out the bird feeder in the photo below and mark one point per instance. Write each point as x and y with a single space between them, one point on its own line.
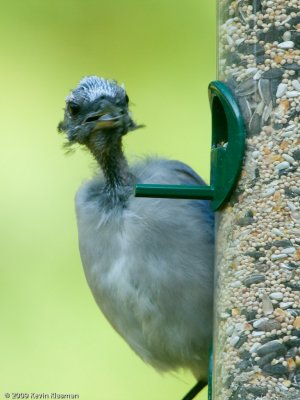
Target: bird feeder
228 144
256 103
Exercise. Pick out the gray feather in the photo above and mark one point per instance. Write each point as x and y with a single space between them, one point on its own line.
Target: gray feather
150 267
148 262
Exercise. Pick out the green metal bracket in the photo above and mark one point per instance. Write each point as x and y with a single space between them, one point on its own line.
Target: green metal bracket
227 153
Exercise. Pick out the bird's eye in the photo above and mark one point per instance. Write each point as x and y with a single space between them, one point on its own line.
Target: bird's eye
73 108
126 99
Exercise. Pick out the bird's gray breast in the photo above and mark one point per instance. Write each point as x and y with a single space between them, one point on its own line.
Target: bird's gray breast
109 248
149 266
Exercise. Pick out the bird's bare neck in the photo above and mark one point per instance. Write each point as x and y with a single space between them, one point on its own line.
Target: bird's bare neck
113 163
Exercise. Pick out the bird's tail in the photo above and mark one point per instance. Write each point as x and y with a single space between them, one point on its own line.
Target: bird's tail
195 390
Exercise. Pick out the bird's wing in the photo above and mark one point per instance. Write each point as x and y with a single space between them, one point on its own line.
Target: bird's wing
185 173
164 171
187 176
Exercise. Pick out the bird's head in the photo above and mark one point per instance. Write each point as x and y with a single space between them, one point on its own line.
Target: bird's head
96 110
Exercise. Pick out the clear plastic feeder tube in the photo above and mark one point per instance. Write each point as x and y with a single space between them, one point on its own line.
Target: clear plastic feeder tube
257 309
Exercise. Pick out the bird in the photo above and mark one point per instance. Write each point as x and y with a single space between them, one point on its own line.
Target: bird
148 261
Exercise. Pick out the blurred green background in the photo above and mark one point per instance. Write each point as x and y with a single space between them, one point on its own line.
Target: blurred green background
52 337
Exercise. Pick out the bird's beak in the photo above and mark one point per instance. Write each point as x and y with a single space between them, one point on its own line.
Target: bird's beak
111 118
103 120
108 121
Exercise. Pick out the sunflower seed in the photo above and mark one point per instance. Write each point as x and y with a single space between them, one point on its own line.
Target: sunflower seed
258 333
292 66
282 88
275 370
229 40
268 192
277 232
273 73
260 108
292 93
287 36
276 296
289 250
251 71
268 325
239 41
264 90
284 305
267 112
254 348
278 256
246 88
286 45
255 278
282 165
258 75
267 305
234 340
288 158
258 322
296 84
296 154
270 347
245 108
255 124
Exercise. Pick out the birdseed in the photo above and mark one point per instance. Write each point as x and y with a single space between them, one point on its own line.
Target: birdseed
257 321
